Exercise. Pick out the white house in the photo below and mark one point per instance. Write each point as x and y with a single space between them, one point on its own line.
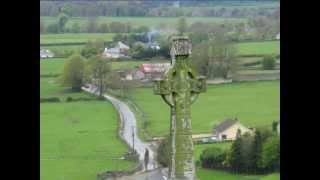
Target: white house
228 129
45 53
112 52
120 50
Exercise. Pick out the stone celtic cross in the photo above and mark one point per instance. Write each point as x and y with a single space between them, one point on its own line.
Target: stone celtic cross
179 88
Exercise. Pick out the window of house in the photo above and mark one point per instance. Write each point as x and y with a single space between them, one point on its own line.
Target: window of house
224 136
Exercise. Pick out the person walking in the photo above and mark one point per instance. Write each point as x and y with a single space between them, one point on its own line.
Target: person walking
146 158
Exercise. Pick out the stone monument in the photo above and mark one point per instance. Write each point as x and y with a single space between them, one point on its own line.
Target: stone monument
179 88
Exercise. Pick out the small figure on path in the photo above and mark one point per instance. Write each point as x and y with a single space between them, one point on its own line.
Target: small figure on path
146 159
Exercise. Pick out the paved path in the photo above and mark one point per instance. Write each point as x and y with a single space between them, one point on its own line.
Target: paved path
128 126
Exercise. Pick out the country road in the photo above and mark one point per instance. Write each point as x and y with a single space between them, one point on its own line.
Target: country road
128 126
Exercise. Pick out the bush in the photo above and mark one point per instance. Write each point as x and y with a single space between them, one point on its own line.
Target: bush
71 99
53 28
50 99
163 152
268 62
212 157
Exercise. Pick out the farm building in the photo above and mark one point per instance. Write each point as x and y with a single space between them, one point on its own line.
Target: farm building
227 130
120 50
154 70
278 36
45 53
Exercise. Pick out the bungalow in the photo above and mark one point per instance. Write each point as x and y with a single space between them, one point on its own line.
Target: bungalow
228 129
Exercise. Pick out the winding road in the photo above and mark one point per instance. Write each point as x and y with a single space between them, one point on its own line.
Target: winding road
128 127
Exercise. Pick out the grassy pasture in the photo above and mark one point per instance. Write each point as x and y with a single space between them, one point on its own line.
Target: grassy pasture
54 66
76 48
73 135
73 140
74 37
254 103
143 21
258 48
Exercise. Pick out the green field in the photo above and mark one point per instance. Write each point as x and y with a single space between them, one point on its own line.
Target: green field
73 135
145 21
73 140
54 66
74 37
259 48
254 103
59 48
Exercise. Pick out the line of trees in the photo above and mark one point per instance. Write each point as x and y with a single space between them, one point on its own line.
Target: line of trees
151 8
253 154
95 69
91 26
215 58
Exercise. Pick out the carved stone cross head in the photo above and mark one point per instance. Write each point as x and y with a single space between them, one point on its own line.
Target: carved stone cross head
181 46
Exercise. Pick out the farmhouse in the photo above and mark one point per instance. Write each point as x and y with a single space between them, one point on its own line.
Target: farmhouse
278 36
227 130
120 50
45 53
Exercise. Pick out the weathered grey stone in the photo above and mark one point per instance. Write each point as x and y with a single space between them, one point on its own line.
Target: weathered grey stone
180 88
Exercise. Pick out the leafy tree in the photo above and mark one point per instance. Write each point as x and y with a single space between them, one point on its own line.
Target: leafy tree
92 25
256 151
271 154
268 62
163 152
93 48
215 58
119 37
265 133
141 29
236 161
104 28
198 37
75 28
98 70
212 157
62 21
117 27
73 72
275 126
247 152
42 27
182 25
53 28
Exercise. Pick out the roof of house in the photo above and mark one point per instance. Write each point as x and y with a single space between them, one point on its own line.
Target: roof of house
156 67
225 125
112 50
122 46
